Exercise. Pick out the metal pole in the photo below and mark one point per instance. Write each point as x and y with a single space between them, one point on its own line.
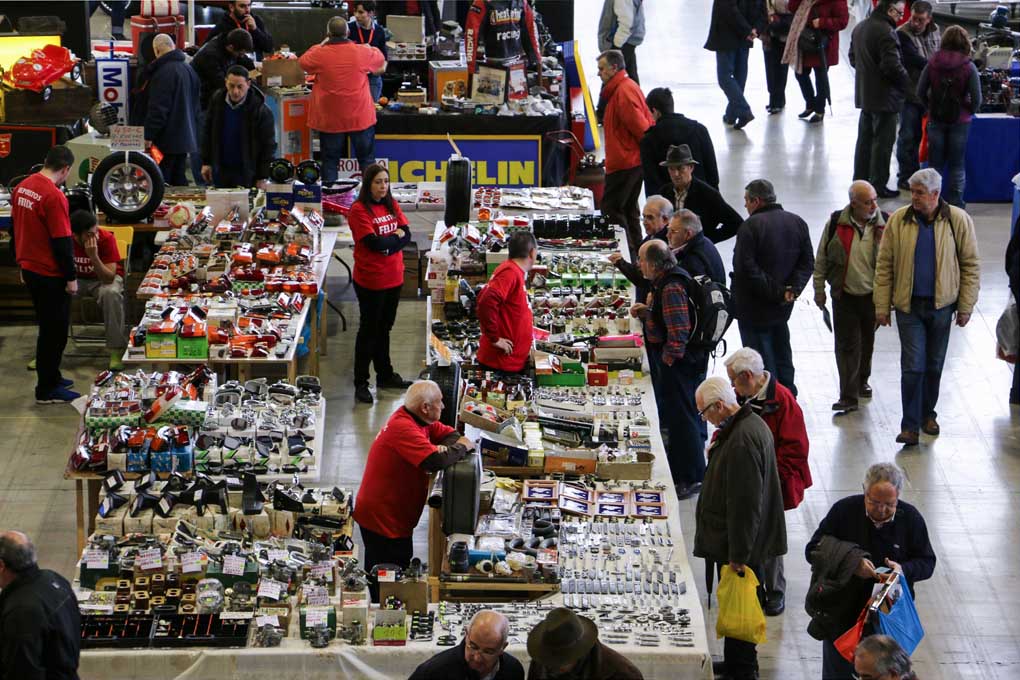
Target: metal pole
191 22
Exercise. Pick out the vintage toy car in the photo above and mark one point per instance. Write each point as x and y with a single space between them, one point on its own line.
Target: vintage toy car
43 67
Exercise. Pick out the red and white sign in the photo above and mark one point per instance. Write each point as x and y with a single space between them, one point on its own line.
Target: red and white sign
5 145
113 85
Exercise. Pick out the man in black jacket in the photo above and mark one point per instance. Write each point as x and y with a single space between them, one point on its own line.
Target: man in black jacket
216 56
673 129
687 191
655 218
692 250
171 117
772 262
880 86
734 26
40 627
895 535
919 39
239 138
238 15
481 654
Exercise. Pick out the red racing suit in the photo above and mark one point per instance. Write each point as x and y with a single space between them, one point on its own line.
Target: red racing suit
499 24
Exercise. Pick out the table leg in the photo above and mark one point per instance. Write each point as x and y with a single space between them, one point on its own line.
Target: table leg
79 513
323 327
93 503
313 338
292 370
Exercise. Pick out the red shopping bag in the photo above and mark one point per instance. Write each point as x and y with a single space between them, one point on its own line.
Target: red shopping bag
846 643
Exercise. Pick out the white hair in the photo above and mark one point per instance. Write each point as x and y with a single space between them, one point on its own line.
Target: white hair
929 178
689 220
665 207
162 44
421 392
717 388
746 359
884 472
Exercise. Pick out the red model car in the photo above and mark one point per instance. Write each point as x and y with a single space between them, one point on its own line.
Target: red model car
43 67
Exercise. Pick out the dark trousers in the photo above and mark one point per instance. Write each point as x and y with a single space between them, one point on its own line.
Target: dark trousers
620 203
174 167
776 73
52 306
773 344
230 177
814 97
686 430
378 312
381 549
947 153
740 656
630 62
731 74
853 327
924 338
876 132
908 141
333 146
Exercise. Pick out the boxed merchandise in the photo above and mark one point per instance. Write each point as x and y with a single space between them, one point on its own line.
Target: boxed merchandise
281 73
499 450
571 461
160 345
224 201
390 629
312 617
640 469
307 197
448 79
279 197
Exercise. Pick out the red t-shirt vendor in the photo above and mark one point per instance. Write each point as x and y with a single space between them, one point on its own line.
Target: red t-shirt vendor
394 488
380 234
101 275
503 311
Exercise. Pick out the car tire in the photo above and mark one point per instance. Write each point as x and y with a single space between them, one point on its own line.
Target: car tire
458 191
127 190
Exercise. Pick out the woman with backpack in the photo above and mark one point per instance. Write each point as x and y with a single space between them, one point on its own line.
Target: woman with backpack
951 86
813 45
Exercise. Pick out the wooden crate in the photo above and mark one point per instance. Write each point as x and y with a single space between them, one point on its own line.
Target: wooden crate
69 102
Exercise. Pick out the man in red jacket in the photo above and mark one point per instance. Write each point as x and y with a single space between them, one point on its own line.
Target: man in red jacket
626 120
779 409
503 311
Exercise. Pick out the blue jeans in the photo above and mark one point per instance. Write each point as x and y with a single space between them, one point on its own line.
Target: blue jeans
909 140
773 344
947 145
731 72
924 337
375 86
675 386
333 146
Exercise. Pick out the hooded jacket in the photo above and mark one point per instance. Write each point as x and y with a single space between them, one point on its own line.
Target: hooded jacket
675 129
171 115
965 85
833 563
626 120
258 135
781 412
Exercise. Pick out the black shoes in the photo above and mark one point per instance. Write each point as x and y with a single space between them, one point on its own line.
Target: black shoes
685 491
885 192
866 391
394 381
363 394
844 406
773 110
805 114
775 604
815 117
741 122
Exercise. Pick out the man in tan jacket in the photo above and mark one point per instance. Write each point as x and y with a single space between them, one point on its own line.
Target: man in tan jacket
927 268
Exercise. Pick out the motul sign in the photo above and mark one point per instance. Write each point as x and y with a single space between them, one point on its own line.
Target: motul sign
113 85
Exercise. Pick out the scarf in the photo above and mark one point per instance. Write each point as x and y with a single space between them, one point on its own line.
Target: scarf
791 55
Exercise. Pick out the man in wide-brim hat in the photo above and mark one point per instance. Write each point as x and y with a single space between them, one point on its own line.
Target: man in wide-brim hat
719 220
566 645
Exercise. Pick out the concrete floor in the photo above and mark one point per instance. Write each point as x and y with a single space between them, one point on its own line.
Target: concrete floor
965 482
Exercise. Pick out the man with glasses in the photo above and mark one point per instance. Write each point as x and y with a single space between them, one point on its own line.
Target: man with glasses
894 535
845 259
739 518
655 218
480 655
880 657
880 88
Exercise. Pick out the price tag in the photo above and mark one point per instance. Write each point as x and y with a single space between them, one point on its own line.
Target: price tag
387 576
191 562
277 554
97 559
316 595
270 588
236 616
233 565
233 481
267 621
316 617
150 559
166 505
198 495
127 138
323 570
96 608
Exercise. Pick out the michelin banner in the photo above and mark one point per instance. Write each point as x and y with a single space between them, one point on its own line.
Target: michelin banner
506 161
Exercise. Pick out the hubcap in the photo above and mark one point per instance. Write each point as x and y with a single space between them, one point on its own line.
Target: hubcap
127 187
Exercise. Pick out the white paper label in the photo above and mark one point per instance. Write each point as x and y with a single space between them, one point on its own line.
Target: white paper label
191 562
97 608
233 481
165 506
267 621
150 559
277 554
387 576
270 588
233 565
323 570
97 559
198 495
315 617
316 595
127 138
236 616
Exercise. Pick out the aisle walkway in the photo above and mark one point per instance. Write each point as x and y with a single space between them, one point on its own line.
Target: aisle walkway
965 483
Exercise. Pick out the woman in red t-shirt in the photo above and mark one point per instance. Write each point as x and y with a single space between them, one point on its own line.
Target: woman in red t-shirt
380 234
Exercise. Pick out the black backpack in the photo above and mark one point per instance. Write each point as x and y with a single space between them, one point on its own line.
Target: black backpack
944 103
709 308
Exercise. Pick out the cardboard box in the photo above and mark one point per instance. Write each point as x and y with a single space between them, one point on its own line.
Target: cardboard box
223 200
290 112
193 348
279 197
281 73
571 461
414 594
449 78
308 197
499 450
161 346
642 469
598 375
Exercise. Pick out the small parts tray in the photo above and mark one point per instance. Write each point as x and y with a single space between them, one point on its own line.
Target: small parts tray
199 630
131 630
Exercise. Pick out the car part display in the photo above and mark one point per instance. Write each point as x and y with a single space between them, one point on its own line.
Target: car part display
308 172
281 170
128 187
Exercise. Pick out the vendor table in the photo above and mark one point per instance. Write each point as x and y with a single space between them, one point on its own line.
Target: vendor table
993 158
310 314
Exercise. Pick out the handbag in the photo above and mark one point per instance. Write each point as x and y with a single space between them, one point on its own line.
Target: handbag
846 643
779 29
812 40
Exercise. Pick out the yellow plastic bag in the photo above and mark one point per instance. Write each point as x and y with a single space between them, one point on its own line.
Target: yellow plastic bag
740 614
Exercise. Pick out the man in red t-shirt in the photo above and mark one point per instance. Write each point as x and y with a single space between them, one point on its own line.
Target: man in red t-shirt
101 275
394 487
42 246
503 311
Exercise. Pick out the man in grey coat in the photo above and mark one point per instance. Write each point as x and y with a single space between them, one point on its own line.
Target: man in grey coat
739 519
880 86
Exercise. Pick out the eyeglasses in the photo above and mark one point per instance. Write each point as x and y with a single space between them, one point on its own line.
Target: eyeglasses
880 506
702 412
484 652
899 12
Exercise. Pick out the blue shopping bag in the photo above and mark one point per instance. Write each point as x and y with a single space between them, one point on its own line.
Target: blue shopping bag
902 623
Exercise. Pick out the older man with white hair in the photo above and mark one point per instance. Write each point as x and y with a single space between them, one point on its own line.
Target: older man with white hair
692 249
411 445
845 259
655 216
481 655
739 519
779 409
927 269
171 106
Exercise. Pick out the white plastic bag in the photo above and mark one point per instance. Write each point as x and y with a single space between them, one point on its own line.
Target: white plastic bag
1007 333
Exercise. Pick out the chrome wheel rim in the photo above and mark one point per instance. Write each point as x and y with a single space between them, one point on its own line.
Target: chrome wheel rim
127 187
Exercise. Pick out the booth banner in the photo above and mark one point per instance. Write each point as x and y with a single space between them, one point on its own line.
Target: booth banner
113 85
506 161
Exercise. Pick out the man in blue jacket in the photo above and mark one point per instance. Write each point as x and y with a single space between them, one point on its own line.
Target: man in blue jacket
365 30
171 119
693 251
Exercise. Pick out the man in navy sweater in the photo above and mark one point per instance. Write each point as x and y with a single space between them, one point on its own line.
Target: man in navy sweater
239 137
